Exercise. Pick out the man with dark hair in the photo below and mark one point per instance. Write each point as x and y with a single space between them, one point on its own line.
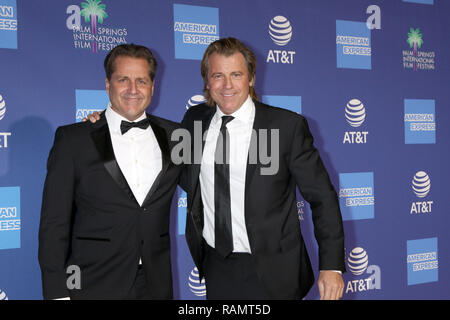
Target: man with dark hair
107 194
242 226
133 51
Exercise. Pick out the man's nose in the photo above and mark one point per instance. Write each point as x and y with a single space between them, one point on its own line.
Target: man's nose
133 86
228 83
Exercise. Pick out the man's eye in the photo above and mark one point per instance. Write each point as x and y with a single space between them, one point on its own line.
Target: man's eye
237 75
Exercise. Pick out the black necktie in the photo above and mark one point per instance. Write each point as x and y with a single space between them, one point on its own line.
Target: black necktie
222 209
125 125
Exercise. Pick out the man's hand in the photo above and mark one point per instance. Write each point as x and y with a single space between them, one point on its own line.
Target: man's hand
93 117
331 285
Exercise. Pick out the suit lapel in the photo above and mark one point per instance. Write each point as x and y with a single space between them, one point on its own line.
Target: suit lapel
162 139
197 206
259 123
102 141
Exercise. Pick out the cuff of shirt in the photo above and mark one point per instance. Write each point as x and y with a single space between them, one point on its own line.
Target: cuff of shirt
338 271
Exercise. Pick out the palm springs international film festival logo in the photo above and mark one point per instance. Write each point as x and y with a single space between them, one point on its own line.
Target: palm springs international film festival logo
194 27
8 24
196 286
358 265
421 186
355 114
90 35
416 59
280 31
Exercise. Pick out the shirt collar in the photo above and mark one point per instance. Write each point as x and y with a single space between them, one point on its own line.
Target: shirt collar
114 119
245 113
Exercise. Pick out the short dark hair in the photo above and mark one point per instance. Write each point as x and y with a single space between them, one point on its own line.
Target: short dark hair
227 47
129 50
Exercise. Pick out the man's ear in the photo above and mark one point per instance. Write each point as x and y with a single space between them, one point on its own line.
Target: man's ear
251 83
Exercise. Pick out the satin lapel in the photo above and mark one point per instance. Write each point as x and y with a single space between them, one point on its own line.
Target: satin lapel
102 140
259 123
163 143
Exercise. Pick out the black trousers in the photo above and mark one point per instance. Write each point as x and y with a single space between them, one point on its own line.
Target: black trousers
139 290
231 278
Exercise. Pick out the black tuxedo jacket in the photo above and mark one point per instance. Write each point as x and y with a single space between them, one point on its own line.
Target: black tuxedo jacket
91 219
271 216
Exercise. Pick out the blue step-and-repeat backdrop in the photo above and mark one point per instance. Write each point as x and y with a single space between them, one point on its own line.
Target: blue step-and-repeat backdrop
371 76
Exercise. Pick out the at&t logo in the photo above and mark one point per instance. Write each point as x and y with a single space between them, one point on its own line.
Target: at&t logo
421 186
196 286
2 107
358 264
355 114
195 100
280 31
3 135
3 295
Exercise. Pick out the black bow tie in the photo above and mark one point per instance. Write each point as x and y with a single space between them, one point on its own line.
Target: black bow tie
125 125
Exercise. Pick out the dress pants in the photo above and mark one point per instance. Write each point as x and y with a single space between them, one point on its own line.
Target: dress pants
139 290
231 278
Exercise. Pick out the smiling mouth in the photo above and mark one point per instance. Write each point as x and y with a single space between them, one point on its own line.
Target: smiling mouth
132 99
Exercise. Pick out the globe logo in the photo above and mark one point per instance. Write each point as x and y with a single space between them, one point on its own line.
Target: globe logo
196 286
421 184
195 100
280 30
355 113
358 261
3 295
2 107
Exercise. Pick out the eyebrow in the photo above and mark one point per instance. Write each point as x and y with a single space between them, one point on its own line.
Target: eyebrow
126 76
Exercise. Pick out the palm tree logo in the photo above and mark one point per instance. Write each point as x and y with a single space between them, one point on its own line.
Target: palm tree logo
415 40
92 12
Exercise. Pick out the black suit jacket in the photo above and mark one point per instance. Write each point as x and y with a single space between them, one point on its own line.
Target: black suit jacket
91 219
271 216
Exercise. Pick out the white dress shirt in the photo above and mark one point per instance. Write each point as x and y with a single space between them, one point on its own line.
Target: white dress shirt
137 154
240 131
